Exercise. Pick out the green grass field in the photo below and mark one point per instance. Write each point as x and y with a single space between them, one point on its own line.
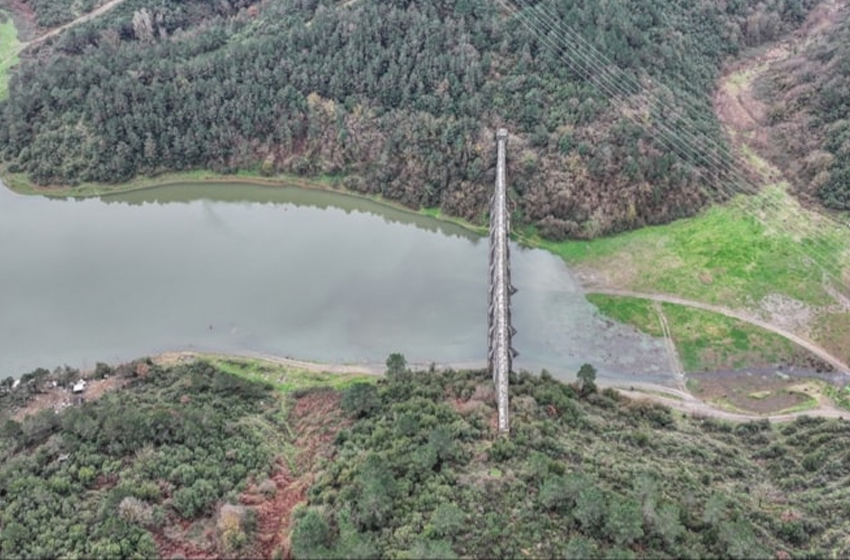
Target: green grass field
8 51
708 341
286 378
732 255
632 311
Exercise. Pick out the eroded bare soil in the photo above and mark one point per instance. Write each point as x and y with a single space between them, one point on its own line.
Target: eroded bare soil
58 398
315 418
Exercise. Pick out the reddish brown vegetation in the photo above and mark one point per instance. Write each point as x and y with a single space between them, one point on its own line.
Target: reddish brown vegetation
24 18
170 547
273 513
315 418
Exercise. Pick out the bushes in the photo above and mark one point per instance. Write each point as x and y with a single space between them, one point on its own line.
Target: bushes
502 450
563 490
376 488
624 522
655 414
448 520
555 494
311 537
414 476
360 399
193 500
126 458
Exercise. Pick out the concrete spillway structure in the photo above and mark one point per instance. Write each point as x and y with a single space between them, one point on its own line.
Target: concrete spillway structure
500 353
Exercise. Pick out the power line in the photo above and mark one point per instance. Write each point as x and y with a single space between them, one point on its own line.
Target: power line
601 66
613 81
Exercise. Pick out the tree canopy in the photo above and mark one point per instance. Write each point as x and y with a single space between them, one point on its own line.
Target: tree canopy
398 98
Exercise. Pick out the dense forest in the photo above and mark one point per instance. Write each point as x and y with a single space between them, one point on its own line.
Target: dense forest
808 97
187 460
398 98
50 13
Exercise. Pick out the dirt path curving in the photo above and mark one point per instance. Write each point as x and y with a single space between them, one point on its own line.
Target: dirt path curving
54 31
812 347
744 116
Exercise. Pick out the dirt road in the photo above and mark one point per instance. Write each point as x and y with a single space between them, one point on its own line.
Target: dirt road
82 19
675 364
676 398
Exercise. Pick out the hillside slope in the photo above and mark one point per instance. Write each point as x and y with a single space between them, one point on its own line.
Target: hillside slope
192 460
182 461
806 94
584 475
397 98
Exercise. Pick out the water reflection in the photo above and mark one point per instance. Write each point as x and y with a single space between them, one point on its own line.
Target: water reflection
307 274
242 193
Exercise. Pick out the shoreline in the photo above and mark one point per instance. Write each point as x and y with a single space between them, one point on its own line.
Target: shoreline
367 368
679 399
19 184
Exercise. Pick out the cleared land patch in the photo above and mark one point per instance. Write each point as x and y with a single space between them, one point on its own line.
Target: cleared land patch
758 391
766 255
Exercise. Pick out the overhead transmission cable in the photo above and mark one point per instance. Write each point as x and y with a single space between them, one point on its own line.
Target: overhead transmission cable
673 140
599 63
598 71
597 68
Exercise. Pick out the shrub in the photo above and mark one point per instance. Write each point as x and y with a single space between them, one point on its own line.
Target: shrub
590 508
446 521
554 494
311 537
360 399
189 502
587 379
230 527
135 511
502 450
624 522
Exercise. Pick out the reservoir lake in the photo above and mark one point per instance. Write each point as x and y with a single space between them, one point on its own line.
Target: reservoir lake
281 271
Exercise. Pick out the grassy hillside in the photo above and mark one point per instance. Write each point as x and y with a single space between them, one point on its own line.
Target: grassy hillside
399 98
182 461
769 256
